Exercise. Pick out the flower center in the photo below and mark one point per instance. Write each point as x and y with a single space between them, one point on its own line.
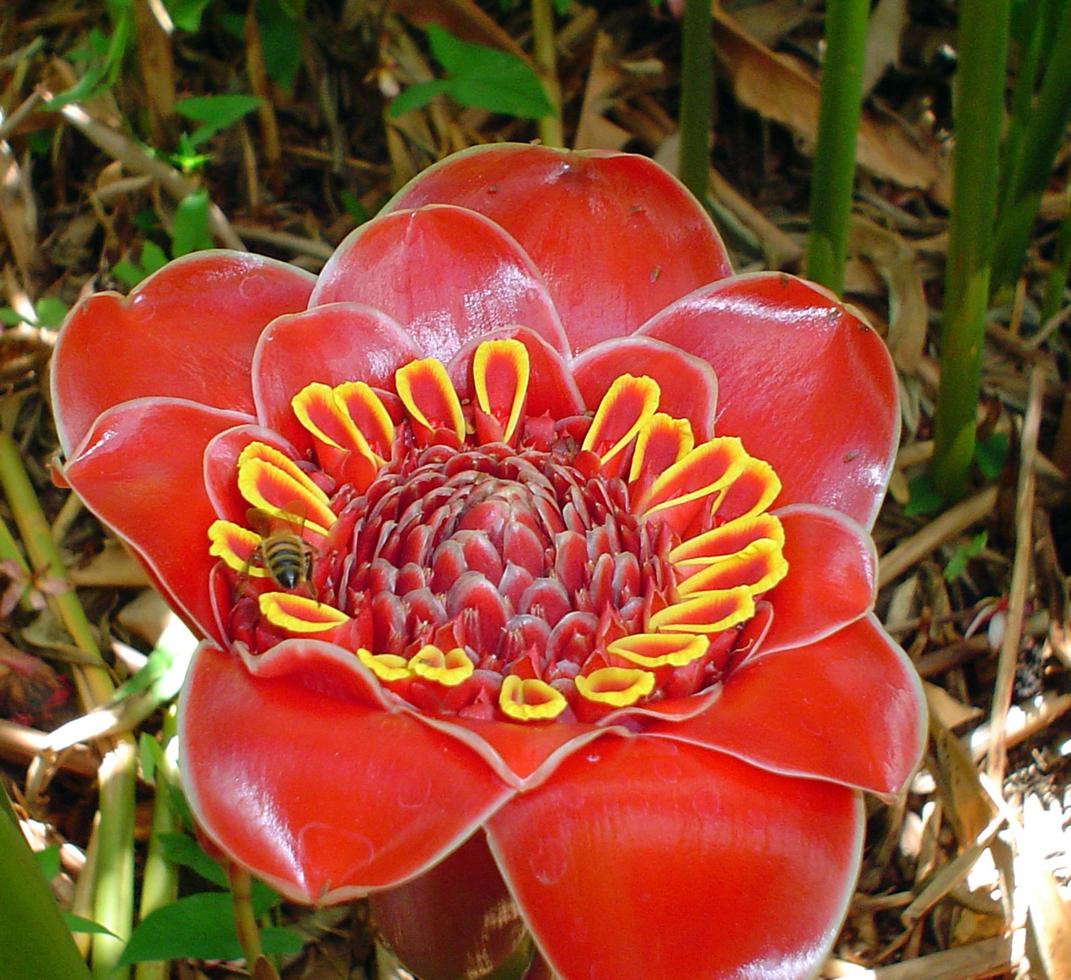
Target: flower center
487 563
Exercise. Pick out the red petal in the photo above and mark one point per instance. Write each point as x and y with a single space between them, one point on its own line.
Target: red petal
640 859
616 237
689 387
446 273
322 796
802 380
832 577
457 914
847 708
187 331
332 344
140 471
551 388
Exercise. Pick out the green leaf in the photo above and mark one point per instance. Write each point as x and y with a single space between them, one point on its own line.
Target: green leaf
48 860
77 924
214 112
417 96
9 317
924 497
198 926
180 849
281 26
189 230
186 14
152 257
482 77
354 207
957 564
128 273
150 756
991 453
50 311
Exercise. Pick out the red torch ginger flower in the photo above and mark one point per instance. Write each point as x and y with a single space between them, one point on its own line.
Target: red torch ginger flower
531 551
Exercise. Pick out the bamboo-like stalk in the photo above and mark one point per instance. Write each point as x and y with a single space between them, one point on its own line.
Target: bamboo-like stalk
113 903
834 157
1033 160
34 940
697 96
978 109
550 125
159 883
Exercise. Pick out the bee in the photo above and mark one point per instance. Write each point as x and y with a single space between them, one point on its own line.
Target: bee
283 553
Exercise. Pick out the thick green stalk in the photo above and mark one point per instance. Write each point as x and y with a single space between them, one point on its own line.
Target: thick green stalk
34 940
1036 151
834 155
550 125
113 904
978 110
159 883
697 96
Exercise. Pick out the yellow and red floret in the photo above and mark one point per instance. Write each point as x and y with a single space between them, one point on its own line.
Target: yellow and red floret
485 563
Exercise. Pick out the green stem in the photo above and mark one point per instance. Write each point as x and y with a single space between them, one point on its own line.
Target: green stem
1061 266
9 551
245 922
113 903
834 155
978 109
1033 163
159 883
697 96
550 126
34 940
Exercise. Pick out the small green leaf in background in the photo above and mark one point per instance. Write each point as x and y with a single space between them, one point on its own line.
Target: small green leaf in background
991 453
477 76
9 317
184 850
957 564
48 860
50 311
214 112
189 230
924 498
77 924
186 14
280 23
199 926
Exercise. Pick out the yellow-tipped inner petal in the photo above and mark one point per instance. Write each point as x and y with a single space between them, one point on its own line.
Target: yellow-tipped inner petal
727 540
705 470
753 489
386 666
425 389
369 414
759 567
500 373
237 546
272 482
530 700
662 442
299 614
616 686
652 650
323 414
624 410
449 669
707 612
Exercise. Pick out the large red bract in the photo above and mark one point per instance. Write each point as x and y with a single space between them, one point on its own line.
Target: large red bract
520 411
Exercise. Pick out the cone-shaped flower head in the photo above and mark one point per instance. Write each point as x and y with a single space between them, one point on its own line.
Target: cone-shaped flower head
531 553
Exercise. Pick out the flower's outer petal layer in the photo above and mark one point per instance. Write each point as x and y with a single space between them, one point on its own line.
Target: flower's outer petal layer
805 383
452 919
322 796
331 344
139 469
188 332
550 384
832 576
616 237
848 708
695 861
689 389
446 274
